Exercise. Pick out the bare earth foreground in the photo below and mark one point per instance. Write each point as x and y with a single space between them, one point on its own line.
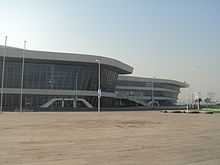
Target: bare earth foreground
106 138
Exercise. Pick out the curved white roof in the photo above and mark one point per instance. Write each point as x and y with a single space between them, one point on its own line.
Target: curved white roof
70 57
142 79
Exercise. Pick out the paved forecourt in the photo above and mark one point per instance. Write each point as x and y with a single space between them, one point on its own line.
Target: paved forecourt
125 138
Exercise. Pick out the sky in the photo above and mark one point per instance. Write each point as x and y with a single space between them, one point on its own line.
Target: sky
169 39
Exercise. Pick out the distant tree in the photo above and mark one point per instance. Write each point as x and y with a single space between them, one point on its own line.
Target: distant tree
207 100
199 100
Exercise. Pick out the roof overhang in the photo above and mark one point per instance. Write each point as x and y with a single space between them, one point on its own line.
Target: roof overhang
68 57
155 80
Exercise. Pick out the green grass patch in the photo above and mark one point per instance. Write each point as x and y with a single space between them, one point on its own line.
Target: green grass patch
215 110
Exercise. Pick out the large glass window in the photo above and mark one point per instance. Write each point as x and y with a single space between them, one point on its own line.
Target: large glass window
49 75
166 86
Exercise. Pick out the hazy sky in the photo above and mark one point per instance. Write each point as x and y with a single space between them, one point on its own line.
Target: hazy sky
160 38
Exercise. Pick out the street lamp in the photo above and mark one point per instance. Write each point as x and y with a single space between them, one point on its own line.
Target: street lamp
76 86
22 76
99 85
3 72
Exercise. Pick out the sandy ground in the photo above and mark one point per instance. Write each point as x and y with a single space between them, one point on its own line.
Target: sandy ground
107 138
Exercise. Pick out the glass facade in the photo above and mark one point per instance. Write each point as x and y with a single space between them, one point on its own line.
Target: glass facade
133 83
58 76
167 86
148 84
49 75
11 102
145 95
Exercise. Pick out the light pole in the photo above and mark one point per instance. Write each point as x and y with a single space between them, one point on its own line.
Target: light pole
76 86
3 72
99 85
22 76
188 101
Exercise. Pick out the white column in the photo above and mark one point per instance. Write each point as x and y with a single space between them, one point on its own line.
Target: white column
62 103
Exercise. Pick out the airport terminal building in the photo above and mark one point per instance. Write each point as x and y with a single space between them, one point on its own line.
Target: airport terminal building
55 81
